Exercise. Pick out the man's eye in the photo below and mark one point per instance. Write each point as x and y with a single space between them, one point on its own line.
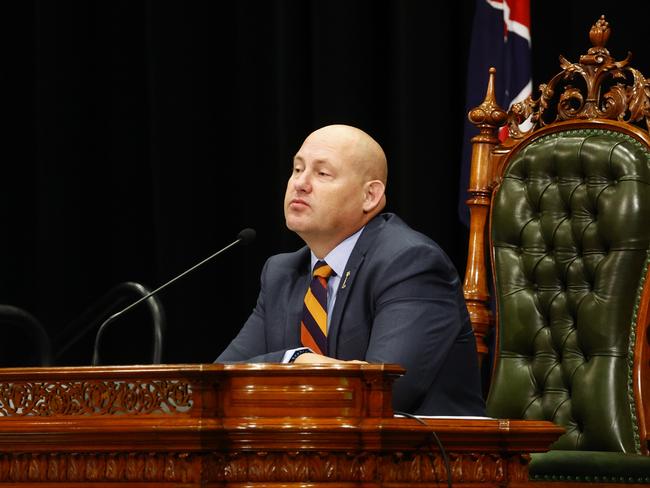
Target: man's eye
323 173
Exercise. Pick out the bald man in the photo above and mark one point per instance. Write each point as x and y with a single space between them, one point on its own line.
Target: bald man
390 294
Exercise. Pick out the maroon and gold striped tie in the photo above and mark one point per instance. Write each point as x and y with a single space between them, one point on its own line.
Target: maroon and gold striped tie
313 328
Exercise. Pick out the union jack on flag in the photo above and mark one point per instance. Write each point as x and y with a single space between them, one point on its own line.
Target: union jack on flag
500 38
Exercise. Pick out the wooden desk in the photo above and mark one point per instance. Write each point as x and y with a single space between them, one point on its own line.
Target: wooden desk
255 425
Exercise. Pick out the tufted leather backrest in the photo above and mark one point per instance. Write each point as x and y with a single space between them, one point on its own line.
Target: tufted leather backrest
570 233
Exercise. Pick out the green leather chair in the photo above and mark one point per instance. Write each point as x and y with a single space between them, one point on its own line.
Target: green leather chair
568 232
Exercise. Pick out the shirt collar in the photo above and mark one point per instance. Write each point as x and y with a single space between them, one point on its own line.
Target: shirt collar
338 257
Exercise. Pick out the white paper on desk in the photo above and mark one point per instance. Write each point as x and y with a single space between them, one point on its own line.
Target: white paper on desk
464 417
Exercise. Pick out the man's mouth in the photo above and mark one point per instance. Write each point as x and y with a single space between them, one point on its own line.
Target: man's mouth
298 202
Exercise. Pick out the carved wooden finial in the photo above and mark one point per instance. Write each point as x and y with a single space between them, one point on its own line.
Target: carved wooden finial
488 113
598 86
599 33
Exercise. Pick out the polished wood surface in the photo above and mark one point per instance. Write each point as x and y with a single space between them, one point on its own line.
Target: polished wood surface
487 117
243 425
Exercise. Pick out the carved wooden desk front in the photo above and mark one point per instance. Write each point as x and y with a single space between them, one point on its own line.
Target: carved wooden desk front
242 425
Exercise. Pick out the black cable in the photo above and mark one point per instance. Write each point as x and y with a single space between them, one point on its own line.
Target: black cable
437 439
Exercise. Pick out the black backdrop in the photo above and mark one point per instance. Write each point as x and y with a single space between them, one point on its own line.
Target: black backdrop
141 136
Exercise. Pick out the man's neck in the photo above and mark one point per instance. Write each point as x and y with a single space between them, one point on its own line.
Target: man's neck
338 257
321 246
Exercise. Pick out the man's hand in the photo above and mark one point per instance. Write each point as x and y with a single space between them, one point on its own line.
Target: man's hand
312 358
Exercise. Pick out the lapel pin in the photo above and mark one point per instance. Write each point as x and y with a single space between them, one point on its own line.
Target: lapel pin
345 279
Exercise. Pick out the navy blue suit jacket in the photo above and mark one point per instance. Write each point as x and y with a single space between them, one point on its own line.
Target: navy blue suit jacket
401 303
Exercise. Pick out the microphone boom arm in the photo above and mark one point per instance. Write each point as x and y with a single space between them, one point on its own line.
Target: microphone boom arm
245 236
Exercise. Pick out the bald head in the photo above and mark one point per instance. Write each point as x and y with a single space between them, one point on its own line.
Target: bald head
363 153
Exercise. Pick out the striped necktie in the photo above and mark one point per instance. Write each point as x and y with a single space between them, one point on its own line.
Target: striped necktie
313 328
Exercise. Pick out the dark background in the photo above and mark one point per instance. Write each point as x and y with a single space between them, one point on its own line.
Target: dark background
138 137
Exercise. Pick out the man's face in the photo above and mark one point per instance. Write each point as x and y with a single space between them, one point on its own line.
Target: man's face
325 193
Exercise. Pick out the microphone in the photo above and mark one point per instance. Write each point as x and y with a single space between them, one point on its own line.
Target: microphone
246 236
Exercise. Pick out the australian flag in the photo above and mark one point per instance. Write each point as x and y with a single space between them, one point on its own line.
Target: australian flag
500 38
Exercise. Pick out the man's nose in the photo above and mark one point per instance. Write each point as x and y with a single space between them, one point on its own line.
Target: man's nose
301 182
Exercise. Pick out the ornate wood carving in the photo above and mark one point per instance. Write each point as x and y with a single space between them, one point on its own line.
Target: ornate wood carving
94 397
597 86
269 467
99 467
487 117
241 425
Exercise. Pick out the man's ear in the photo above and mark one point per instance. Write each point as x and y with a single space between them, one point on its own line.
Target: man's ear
373 195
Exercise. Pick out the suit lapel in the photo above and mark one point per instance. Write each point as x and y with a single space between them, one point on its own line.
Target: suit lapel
299 284
352 269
